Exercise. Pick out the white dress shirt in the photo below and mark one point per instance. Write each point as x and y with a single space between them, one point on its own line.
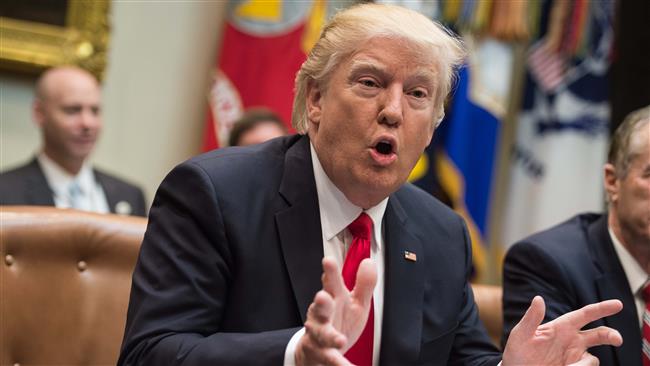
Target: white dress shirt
635 274
90 196
336 213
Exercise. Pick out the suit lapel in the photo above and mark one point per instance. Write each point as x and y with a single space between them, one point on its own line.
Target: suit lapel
404 289
613 284
109 191
38 191
298 224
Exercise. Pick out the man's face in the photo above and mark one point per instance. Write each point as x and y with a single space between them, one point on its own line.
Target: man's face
374 118
261 132
69 115
630 196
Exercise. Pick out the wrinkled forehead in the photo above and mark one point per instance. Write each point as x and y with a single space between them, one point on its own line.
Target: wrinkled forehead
383 53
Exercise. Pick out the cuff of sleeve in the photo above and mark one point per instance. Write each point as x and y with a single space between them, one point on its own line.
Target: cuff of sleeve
290 351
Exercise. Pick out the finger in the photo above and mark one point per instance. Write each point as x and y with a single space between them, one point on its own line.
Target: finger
587 359
333 357
322 308
532 318
601 336
592 312
365 283
313 354
319 325
332 278
325 335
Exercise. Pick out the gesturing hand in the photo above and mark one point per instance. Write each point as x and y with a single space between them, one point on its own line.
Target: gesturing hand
560 342
337 316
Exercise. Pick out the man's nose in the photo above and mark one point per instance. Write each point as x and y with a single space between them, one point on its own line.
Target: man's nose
89 119
391 111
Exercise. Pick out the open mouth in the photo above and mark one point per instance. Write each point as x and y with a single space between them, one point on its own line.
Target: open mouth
384 151
384 147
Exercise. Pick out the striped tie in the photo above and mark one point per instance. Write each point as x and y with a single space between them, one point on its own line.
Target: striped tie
645 349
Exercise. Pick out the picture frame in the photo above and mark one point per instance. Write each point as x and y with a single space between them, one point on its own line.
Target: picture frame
29 46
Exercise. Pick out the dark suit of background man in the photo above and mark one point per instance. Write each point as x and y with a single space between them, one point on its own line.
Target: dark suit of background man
66 108
593 257
230 268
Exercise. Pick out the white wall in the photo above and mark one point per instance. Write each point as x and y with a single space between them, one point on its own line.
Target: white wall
159 66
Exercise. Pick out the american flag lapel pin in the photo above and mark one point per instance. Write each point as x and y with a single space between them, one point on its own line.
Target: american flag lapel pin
410 256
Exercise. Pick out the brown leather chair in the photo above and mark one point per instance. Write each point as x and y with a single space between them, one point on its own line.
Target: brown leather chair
64 284
488 298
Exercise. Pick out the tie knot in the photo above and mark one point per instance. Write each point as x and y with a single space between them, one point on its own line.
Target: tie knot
361 227
646 292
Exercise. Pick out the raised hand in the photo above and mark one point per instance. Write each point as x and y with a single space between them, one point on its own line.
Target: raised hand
560 341
337 316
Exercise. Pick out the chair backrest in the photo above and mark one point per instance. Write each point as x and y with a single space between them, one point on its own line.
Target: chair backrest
64 284
488 298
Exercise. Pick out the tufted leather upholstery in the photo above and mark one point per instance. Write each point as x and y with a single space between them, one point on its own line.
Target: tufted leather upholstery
65 279
489 299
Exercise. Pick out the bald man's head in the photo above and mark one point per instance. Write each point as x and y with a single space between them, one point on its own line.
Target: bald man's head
67 110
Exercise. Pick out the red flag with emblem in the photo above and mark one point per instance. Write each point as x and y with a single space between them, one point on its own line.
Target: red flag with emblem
264 44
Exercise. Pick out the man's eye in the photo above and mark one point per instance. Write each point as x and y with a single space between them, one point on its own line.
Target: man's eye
71 110
419 93
369 83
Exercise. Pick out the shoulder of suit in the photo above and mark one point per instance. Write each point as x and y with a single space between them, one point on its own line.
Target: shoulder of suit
243 162
570 236
107 178
22 169
415 197
275 148
20 173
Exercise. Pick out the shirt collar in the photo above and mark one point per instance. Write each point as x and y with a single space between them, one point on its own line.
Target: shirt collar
59 179
337 212
635 274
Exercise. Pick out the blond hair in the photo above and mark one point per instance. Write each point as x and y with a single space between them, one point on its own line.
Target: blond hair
354 26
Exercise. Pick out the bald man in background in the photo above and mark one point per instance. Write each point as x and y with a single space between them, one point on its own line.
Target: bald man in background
67 109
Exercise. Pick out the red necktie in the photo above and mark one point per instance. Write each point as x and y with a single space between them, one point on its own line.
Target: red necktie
645 345
361 230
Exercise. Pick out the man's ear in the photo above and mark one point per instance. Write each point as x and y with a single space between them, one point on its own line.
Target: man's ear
611 183
38 114
314 109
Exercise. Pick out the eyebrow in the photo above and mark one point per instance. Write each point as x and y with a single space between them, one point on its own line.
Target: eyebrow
359 66
421 75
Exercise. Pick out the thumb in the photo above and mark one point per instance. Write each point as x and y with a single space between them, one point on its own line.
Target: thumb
365 283
532 319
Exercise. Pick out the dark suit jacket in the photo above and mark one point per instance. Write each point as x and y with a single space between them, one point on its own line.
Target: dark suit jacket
231 260
27 185
572 265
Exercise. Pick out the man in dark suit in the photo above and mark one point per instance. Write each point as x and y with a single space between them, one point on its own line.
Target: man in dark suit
229 271
67 110
594 257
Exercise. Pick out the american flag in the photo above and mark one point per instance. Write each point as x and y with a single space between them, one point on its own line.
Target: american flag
548 67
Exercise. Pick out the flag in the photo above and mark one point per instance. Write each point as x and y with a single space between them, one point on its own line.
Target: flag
562 133
464 150
264 44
